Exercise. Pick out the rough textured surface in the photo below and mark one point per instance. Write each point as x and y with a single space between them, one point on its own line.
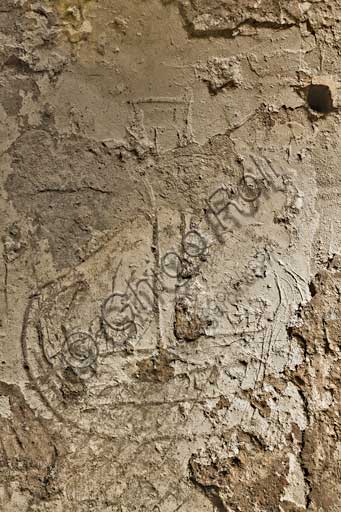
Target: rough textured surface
170 275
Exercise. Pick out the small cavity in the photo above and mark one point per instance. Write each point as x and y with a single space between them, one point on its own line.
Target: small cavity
319 98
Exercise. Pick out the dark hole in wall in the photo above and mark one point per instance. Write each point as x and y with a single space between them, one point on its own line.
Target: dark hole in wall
319 98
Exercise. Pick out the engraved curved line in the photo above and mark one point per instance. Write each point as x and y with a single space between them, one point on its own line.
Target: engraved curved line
23 341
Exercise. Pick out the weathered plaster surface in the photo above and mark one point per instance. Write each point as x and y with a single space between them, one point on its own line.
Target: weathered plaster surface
170 275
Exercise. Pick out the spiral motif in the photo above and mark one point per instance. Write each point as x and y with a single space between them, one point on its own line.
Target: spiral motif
117 313
249 188
80 350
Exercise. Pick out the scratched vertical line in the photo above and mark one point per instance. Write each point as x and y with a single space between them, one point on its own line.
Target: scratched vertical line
156 252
